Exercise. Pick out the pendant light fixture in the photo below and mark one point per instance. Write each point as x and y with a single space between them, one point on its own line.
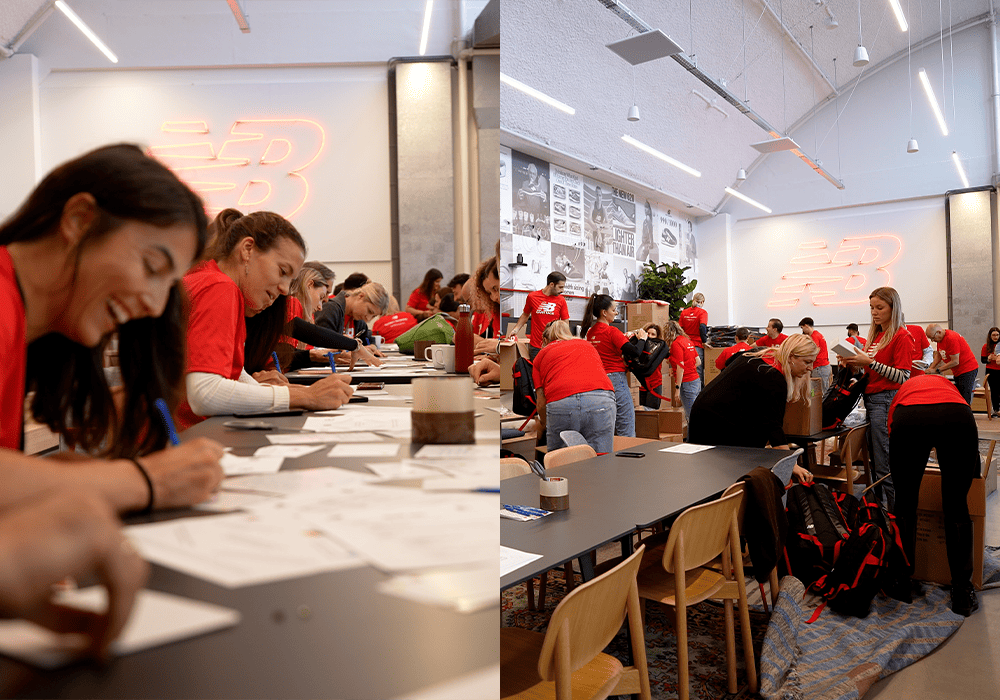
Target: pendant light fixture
741 175
860 53
633 112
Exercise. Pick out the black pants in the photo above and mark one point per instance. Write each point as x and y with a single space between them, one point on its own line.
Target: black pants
648 400
951 429
532 351
993 378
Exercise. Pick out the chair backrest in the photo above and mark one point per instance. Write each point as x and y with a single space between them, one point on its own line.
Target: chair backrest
738 487
855 443
512 466
785 464
704 530
568 455
572 437
590 616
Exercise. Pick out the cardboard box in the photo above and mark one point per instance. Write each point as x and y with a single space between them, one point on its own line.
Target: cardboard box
711 371
979 400
508 355
638 314
931 558
662 421
634 391
803 419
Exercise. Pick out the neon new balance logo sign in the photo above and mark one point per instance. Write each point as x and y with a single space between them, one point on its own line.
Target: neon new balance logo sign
258 165
547 309
845 277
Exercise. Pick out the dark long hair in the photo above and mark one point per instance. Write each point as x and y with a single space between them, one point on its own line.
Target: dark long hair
266 229
72 395
990 344
595 305
427 286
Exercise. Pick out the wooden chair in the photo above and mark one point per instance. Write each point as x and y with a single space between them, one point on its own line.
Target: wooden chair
568 455
853 448
512 466
567 661
772 578
699 535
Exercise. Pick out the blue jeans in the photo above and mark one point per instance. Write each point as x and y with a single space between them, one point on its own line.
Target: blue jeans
701 365
592 414
625 416
877 406
966 384
824 373
689 392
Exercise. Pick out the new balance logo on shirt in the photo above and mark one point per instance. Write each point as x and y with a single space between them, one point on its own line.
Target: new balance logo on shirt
547 308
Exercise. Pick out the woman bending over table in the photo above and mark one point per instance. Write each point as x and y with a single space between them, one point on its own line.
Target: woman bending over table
578 394
612 345
251 265
886 359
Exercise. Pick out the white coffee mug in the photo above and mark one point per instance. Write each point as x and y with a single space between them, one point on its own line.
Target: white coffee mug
431 355
444 357
377 339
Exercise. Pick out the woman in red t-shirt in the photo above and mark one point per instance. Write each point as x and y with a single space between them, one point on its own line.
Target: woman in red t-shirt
237 314
578 394
611 344
991 358
655 380
886 359
684 361
423 301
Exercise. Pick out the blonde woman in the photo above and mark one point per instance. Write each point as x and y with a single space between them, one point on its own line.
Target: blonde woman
578 393
886 359
684 363
745 405
350 312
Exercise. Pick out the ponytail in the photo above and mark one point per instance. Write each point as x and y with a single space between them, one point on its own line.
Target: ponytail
595 305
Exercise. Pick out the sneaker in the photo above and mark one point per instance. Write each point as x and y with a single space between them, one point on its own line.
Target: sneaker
996 414
963 601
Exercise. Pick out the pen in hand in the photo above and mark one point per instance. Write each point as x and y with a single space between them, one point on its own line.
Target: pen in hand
168 422
333 364
277 365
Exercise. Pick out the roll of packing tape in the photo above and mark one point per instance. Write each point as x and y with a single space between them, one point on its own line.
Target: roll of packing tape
553 493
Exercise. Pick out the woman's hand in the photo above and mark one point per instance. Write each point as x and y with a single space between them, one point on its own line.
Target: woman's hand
319 354
68 534
859 361
485 346
328 393
801 475
272 377
184 475
365 353
484 372
641 334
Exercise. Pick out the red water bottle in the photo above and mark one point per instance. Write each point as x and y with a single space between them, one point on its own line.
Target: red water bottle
463 340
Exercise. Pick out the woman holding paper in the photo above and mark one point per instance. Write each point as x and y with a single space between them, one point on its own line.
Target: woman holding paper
612 345
886 359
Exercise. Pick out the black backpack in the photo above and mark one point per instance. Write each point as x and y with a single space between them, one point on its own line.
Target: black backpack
652 353
842 396
524 388
869 561
817 529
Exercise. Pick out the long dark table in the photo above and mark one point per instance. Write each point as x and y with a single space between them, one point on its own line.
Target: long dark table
611 497
330 635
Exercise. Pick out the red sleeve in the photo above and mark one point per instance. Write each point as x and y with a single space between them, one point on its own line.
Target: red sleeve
565 309
216 331
13 355
417 300
616 336
676 354
529 303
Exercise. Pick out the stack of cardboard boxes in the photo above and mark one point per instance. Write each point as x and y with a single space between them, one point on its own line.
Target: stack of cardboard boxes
666 422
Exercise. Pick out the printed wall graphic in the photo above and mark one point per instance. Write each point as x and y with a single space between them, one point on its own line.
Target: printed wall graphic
531 196
506 213
595 233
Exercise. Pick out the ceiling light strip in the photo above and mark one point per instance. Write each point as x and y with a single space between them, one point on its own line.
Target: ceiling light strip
961 170
425 32
541 96
752 202
898 11
241 18
662 156
87 31
933 100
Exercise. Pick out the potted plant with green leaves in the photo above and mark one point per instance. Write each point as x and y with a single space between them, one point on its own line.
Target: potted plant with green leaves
665 282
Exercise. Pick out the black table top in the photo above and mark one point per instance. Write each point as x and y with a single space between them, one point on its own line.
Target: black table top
612 496
330 635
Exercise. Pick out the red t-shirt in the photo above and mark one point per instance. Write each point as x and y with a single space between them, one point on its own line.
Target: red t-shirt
393 326
954 344
544 309
691 319
217 329
418 300
566 367
720 361
682 354
293 309
920 342
13 355
823 358
481 323
608 341
986 353
898 352
925 390
765 341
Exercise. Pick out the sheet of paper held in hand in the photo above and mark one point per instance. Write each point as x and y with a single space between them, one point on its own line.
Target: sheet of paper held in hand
157 619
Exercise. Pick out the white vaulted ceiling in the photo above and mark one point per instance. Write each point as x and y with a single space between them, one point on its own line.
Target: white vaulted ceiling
776 55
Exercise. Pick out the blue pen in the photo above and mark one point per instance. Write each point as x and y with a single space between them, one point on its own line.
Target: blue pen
277 365
168 422
333 364
486 490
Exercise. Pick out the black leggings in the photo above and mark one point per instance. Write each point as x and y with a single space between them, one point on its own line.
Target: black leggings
993 378
951 429
648 400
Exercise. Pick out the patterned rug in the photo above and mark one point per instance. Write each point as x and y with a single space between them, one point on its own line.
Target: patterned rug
706 640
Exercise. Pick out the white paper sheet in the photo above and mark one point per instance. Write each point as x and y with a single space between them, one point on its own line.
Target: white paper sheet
464 591
365 449
313 438
226 501
286 451
382 418
687 448
512 559
157 619
406 469
234 464
460 451
241 549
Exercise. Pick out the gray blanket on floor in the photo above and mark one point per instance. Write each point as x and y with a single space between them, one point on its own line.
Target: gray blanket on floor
839 658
